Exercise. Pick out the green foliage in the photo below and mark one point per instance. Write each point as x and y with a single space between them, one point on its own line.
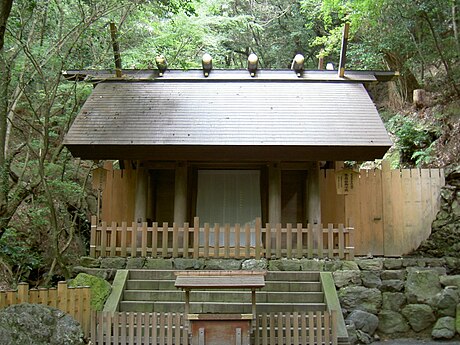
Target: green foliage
17 256
413 139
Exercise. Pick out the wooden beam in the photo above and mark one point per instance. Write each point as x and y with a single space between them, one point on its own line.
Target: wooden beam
116 50
343 51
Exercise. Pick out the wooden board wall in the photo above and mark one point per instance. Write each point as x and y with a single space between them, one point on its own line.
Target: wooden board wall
391 210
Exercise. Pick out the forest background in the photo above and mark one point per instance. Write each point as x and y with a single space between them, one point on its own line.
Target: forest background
45 193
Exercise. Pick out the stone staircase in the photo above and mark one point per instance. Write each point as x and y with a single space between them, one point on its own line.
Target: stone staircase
154 291
146 291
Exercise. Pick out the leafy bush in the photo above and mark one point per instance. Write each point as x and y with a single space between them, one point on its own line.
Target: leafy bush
413 139
16 257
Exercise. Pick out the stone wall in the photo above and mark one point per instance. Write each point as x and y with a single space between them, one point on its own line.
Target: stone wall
445 230
380 297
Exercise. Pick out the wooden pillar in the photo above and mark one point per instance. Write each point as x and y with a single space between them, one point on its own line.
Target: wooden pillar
314 195
140 210
180 194
274 194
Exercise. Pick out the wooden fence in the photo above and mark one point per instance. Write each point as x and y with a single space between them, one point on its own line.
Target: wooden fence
73 301
167 328
220 242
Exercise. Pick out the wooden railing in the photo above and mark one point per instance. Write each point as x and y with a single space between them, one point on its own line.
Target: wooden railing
167 328
73 301
220 242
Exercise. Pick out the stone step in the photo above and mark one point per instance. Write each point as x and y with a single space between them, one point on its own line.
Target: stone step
213 307
277 286
223 296
302 276
291 276
143 274
150 284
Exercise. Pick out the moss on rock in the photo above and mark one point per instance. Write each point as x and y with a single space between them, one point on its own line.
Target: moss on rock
100 289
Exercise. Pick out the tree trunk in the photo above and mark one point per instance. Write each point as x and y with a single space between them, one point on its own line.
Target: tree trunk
5 10
408 82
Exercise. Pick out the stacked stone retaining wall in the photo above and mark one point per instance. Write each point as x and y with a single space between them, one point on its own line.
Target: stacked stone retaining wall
386 297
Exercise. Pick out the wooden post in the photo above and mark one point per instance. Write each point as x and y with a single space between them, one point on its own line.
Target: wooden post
180 193
140 213
274 196
343 51
116 50
314 195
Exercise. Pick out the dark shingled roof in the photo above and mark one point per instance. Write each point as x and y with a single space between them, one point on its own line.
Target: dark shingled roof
228 120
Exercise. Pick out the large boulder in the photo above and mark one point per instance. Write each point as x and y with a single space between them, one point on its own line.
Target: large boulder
420 316
34 324
393 301
346 278
364 321
158 264
371 279
444 328
100 289
391 322
422 285
359 297
188 264
446 302
254 265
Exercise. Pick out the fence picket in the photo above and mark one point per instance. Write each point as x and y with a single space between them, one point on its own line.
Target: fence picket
282 242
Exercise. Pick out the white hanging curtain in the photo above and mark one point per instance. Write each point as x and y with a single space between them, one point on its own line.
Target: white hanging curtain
229 197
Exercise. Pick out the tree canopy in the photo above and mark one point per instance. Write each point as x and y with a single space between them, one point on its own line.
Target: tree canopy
44 194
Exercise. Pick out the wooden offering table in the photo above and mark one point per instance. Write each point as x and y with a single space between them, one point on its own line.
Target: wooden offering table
220 329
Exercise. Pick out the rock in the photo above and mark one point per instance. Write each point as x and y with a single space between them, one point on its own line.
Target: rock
392 263
311 265
444 328
100 289
364 321
363 338
351 330
34 324
255 265
446 302
133 263
420 316
393 301
333 265
359 297
393 285
453 264
87 261
350 265
422 285
158 264
188 264
284 265
391 322
393 275
457 319
115 262
409 262
106 274
371 279
346 278
453 280
223 264
370 264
